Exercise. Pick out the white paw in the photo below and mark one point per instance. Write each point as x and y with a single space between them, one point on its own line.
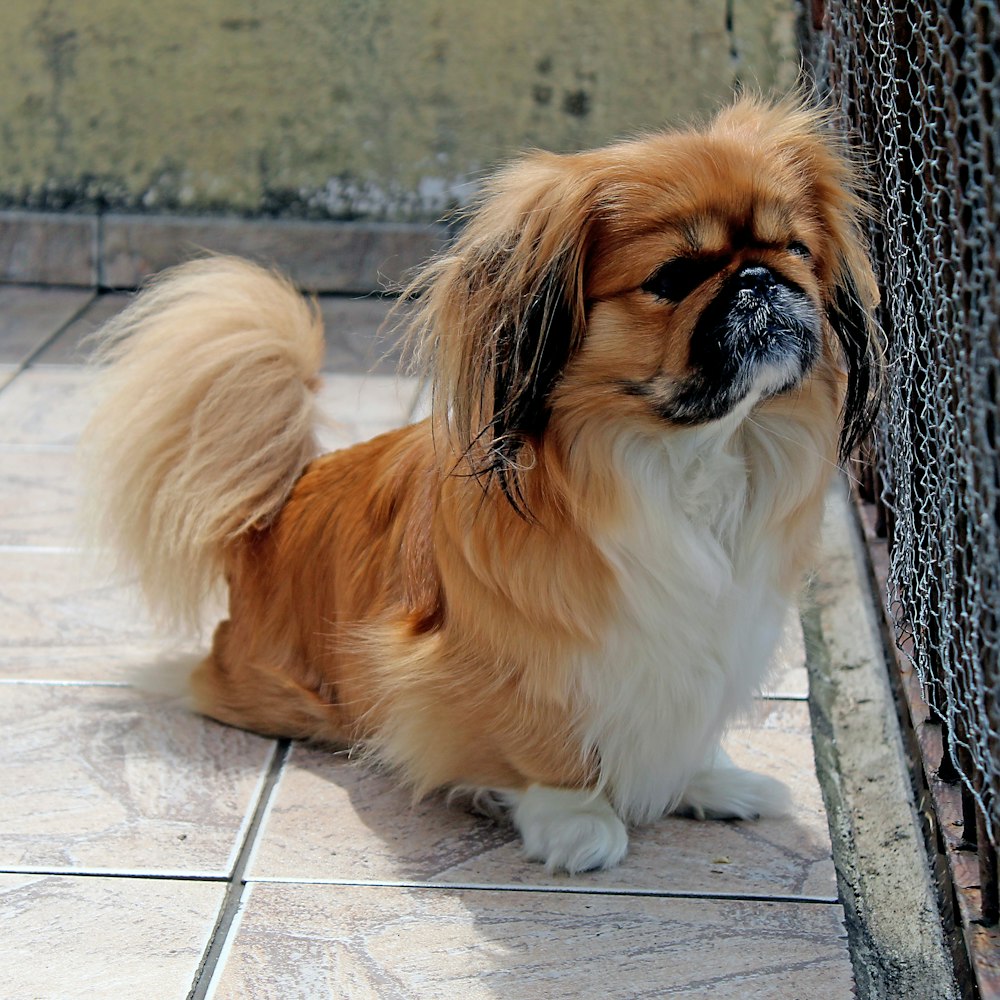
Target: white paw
727 792
568 830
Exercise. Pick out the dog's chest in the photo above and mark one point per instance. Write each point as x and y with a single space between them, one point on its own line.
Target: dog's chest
696 621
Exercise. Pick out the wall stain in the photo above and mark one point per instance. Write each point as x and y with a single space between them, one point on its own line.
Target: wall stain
542 94
577 103
240 23
59 47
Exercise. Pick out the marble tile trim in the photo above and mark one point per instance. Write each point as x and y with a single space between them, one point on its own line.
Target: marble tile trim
320 256
48 248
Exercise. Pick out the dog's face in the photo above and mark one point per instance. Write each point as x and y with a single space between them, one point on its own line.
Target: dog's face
674 280
714 302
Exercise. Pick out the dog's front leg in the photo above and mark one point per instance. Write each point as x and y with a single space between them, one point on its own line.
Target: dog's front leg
568 829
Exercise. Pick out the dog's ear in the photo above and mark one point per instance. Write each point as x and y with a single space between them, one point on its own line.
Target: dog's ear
503 311
851 314
806 136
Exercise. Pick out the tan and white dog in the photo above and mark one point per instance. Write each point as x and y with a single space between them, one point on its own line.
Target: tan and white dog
564 584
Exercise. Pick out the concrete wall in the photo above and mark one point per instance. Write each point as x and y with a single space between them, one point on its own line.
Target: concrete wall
346 108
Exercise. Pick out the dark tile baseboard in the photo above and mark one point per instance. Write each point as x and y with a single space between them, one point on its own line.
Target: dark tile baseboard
119 251
49 249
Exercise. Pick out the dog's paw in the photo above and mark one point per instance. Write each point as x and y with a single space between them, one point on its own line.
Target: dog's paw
569 830
727 792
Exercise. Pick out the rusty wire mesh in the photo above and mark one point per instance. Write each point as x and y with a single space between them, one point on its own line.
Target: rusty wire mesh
918 85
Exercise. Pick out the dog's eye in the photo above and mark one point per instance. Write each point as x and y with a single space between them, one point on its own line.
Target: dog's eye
678 278
798 248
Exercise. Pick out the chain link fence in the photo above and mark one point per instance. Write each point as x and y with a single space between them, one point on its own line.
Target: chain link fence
918 85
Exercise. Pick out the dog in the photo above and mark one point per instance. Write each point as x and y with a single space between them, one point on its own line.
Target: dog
562 585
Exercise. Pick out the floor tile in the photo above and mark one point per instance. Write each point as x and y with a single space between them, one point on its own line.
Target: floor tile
140 663
52 248
357 338
103 937
46 406
788 677
30 316
357 407
404 944
54 598
356 342
333 819
70 347
108 779
51 405
422 402
39 497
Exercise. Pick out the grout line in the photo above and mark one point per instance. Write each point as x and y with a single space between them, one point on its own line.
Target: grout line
49 549
167 876
40 283
62 328
243 850
231 905
56 682
579 890
265 813
99 267
227 945
375 295
19 447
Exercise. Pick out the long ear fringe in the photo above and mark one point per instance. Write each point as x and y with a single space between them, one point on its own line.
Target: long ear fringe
499 315
852 309
813 134
860 339
856 294
501 312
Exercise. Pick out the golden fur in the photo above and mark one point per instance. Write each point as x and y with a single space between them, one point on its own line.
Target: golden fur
445 595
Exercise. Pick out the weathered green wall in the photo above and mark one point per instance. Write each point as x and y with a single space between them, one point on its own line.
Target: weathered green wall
346 108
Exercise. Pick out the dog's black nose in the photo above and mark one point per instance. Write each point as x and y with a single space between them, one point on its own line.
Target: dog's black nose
755 278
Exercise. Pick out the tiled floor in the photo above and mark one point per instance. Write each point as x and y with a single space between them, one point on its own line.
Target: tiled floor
147 852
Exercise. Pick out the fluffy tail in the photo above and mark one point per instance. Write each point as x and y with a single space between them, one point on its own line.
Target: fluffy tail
206 422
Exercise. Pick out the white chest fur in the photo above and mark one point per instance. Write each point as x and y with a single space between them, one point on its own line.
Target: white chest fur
700 613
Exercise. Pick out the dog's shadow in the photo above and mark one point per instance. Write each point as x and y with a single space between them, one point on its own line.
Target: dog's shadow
359 823
390 865
515 926
336 818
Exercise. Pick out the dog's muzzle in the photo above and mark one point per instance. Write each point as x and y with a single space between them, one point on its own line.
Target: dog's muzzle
760 335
